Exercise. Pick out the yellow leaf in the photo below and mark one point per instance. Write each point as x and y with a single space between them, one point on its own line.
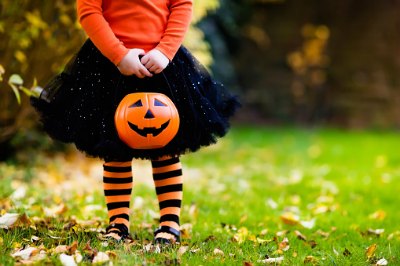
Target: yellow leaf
290 218
370 252
311 259
2 71
378 215
20 56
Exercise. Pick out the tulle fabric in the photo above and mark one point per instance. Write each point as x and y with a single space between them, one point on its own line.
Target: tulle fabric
78 105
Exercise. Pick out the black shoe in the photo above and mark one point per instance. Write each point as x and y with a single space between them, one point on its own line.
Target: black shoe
176 236
118 232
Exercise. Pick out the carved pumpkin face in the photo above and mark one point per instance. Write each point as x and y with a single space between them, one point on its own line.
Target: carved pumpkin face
146 120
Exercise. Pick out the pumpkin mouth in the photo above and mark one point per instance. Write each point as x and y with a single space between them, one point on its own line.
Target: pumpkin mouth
148 130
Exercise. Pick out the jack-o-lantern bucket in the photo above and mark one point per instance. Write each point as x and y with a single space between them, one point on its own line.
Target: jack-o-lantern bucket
146 120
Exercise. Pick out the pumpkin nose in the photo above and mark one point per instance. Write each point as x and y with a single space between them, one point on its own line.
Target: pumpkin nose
149 114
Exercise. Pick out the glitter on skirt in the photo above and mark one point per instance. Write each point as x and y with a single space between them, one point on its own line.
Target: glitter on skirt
84 97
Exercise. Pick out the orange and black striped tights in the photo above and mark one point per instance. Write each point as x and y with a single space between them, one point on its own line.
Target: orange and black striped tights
168 181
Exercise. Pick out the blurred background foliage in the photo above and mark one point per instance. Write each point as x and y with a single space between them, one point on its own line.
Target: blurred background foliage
303 62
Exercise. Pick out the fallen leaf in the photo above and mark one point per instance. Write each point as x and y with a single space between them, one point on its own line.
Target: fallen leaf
312 243
194 250
55 210
284 245
308 224
299 235
263 241
272 203
382 261
290 218
152 248
281 233
193 211
111 254
8 220
101 257
67 260
78 257
218 252
247 263
277 260
310 259
376 232
378 215
182 250
61 249
186 231
370 252
322 233
336 252
26 253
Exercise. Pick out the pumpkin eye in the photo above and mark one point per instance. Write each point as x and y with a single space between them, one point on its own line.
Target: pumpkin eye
137 104
159 103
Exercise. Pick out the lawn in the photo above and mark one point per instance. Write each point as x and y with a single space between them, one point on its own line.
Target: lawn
260 196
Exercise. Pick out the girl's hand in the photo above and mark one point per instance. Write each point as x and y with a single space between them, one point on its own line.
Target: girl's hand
155 61
131 65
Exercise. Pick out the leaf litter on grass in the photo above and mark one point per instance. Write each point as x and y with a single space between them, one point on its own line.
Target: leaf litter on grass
293 229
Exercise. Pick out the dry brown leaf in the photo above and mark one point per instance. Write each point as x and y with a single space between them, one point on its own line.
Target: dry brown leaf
247 263
61 249
111 254
299 235
370 252
284 245
290 218
322 233
312 243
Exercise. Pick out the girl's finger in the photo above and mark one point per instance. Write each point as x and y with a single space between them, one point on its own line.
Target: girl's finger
145 72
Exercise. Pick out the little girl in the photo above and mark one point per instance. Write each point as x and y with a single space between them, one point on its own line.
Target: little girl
135 46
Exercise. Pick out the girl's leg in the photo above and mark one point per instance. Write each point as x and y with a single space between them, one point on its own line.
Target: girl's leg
167 175
117 181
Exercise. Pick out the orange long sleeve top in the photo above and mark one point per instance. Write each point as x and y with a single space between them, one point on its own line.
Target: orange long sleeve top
114 26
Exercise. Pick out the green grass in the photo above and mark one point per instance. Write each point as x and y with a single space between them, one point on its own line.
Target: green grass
235 195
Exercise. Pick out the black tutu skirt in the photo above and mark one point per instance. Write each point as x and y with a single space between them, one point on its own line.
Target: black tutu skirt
78 105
